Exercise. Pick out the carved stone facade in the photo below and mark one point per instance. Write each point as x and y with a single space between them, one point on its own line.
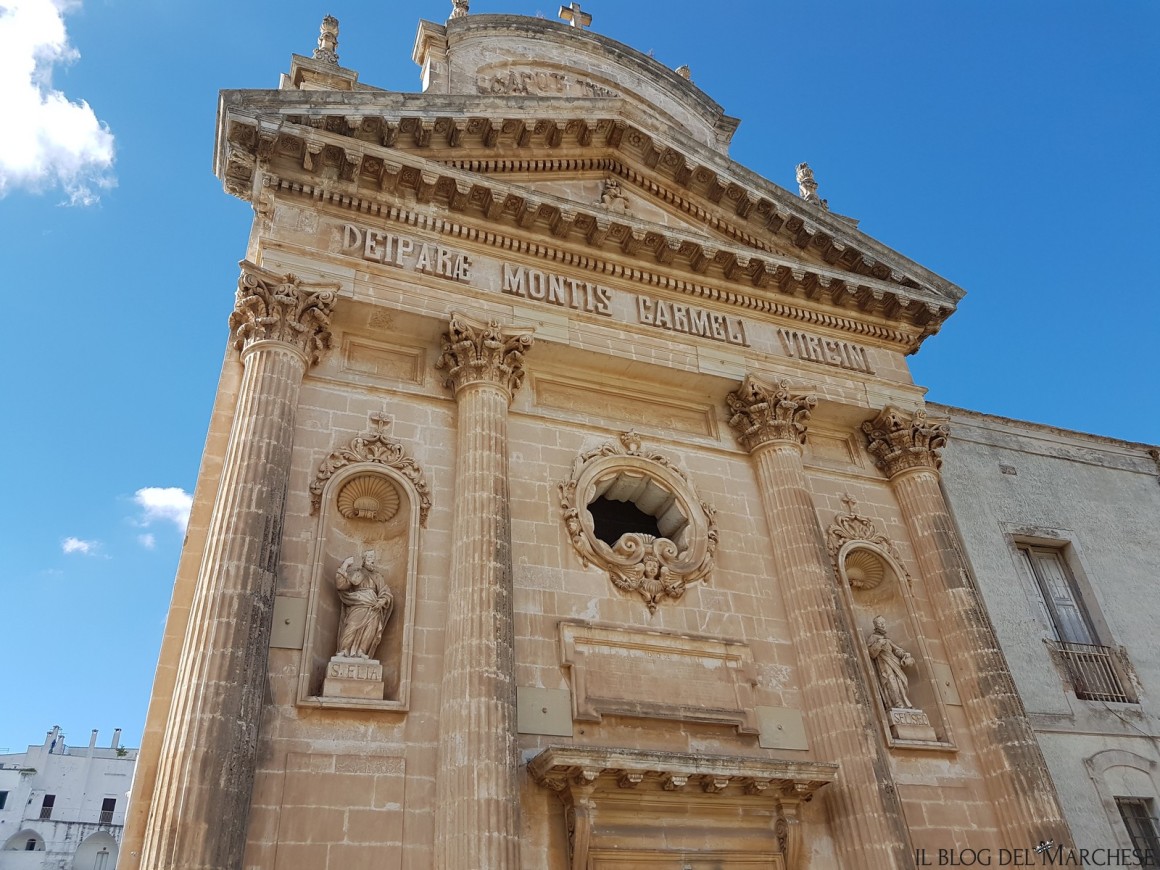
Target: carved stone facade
642 560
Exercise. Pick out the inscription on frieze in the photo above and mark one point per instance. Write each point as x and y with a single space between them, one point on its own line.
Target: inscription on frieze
576 293
540 83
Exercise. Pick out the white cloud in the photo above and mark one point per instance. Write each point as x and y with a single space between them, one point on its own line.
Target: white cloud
49 141
147 541
76 545
170 503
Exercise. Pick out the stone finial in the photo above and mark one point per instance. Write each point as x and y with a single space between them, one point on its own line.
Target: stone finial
684 72
327 40
277 308
459 9
474 352
576 16
899 441
808 188
762 413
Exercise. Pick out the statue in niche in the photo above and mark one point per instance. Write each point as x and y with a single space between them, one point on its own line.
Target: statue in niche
367 604
889 660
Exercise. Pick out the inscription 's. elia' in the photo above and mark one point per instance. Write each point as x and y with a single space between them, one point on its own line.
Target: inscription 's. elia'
565 291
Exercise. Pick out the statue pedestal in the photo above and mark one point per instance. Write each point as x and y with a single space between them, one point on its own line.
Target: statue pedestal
354 678
908 723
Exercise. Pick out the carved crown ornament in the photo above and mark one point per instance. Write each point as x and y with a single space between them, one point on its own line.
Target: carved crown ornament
371 137
272 307
862 569
899 441
476 352
655 568
367 496
764 413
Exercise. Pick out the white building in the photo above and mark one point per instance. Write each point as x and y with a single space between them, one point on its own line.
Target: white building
1063 532
62 807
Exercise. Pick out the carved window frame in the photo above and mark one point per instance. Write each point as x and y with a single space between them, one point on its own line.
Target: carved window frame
681 562
410 514
1098 768
1066 543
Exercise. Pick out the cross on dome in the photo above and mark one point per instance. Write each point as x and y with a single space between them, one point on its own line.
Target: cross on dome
576 16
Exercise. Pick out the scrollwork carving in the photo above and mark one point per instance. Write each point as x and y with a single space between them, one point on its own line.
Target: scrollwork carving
762 413
653 567
475 352
270 307
373 445
853 527
899 441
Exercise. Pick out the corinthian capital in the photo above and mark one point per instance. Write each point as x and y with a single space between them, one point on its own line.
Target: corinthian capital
899 441
762 413
483 353
281 308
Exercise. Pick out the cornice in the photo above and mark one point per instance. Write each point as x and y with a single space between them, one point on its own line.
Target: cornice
903 340
441 125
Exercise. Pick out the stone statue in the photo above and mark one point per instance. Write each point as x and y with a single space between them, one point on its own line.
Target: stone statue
366 606
889 660
808 187
327 40
613 197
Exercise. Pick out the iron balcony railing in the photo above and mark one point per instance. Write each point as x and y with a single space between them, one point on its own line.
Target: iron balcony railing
106 817
1095 675
45 813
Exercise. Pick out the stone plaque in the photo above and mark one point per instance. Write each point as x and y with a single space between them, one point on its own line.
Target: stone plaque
911 724
354 678
659 675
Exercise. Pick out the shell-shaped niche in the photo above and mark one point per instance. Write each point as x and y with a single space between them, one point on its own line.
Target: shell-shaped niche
864 569
368 497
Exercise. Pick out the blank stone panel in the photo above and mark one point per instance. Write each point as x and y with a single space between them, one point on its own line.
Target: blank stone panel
341 812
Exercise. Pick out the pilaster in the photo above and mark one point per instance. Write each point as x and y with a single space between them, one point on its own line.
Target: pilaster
477 791
201 800
771 421
907 448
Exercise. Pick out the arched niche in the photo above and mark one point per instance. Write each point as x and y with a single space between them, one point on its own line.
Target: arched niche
363 506
98 852
874 584
18 842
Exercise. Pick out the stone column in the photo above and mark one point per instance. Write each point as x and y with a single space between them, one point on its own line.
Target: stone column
869 831
201 800
477 790
907 447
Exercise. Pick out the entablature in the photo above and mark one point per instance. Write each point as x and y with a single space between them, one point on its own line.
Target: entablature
316 159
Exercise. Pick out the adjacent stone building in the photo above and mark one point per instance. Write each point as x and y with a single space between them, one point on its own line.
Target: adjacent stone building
567 502
1063 531
64 806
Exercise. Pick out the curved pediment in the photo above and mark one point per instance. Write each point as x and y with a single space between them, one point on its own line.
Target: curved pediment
513 55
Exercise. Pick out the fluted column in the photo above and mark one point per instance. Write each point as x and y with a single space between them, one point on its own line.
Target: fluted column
869 831
201 801
907 447
477 790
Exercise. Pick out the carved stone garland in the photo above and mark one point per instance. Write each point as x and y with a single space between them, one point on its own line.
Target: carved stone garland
373 445
655 568
852 526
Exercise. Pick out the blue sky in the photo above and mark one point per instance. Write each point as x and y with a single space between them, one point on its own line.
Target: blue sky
1010 147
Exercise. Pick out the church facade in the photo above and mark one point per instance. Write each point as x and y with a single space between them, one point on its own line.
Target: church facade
568 502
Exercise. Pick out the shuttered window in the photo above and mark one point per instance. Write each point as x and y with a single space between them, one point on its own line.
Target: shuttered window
1058 595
